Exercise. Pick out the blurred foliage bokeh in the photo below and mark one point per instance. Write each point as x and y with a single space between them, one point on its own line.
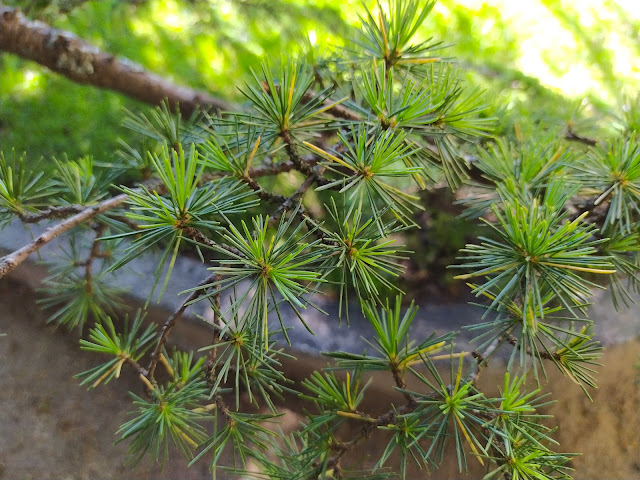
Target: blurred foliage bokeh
537 59
553 63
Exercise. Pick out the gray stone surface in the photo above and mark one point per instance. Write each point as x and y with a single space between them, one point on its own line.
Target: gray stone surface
329 334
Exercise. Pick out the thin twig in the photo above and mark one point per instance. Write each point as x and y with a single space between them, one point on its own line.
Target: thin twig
482 358
302 165
571 135
11 261
542 354
199 237
213 353
136 366
400 383
171 321
126 220
95 253
254 172
261 192
51 212
294 156
366 432
291 200
337 110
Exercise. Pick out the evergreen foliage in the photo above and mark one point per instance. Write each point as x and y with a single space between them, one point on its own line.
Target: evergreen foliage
561 219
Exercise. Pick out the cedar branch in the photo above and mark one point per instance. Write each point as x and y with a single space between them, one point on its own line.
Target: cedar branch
11 261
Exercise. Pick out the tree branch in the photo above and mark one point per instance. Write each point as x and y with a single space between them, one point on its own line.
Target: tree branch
481 359
291 200
11 261
261 192
68 55
95 253
51 212
571 135
171 321
294 156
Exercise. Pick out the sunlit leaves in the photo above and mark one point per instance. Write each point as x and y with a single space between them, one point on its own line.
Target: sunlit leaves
234 158
23 188
82 181
515 401
535 251
387 36
167 127
462 113
278 266
528 165
612 171
405 104
368 169
461 118
522 170
411 118
127 346
165 219
283 104
363 256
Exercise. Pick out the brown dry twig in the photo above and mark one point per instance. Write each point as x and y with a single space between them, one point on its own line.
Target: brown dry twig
171 321
66 54
11 261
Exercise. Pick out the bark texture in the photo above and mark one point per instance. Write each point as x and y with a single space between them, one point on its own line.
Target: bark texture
65 53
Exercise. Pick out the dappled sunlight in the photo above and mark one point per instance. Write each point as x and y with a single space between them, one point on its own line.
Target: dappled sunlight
27 82
587 50
575 48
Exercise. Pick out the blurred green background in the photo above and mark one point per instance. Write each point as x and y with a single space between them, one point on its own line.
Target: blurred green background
537 59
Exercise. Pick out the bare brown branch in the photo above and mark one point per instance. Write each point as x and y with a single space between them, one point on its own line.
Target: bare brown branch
11 261
53 212
571 135
68 55
171 321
